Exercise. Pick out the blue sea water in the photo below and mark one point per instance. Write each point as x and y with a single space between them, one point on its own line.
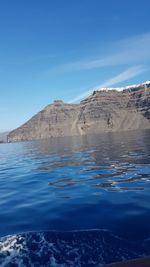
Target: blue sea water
55 192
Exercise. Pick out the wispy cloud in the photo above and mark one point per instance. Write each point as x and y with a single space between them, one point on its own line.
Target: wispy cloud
123 76
133 50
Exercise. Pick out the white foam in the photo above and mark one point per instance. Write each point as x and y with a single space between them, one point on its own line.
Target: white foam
75 248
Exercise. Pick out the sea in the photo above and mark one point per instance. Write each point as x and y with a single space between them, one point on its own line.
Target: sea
75 201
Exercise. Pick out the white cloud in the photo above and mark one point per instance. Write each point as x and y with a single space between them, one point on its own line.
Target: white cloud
133 50
123 76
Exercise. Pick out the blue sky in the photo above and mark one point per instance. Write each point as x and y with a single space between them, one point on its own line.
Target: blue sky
61 49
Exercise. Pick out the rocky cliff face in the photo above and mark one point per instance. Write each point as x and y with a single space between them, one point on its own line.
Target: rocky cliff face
3 137
105 110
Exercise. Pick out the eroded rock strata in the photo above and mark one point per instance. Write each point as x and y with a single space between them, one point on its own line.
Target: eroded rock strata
105 110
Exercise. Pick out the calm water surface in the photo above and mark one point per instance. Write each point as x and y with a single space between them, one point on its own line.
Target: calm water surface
94 182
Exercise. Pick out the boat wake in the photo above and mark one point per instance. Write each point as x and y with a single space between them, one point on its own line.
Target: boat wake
77 248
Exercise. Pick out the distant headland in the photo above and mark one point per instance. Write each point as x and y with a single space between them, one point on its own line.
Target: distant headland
105 110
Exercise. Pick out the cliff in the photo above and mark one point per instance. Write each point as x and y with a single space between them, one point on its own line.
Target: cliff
105 110
3 137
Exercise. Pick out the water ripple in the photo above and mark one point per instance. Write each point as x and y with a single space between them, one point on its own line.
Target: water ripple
76 182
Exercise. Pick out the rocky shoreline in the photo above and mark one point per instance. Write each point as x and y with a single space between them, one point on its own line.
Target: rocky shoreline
103 111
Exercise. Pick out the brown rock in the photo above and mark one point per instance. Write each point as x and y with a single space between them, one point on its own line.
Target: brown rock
103 111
